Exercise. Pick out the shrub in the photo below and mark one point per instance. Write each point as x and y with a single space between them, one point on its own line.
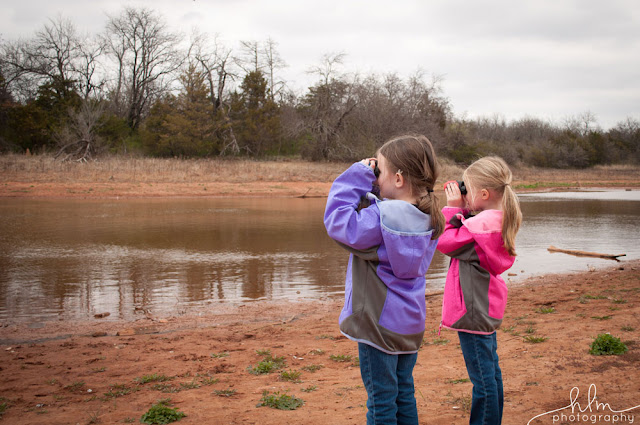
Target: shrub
607 345
161 413
280 401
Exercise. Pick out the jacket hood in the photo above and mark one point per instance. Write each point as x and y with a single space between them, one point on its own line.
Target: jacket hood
406 230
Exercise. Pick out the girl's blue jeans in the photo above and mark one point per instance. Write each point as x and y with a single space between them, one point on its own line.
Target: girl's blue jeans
388 379
481 357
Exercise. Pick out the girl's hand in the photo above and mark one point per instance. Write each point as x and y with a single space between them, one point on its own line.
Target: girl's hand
369 162
454 197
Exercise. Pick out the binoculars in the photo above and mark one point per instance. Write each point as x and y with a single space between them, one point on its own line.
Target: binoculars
460 183
376 170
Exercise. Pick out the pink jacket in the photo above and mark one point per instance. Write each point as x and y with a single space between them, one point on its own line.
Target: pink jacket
475 295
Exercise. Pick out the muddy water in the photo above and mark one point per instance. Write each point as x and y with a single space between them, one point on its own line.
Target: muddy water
70 259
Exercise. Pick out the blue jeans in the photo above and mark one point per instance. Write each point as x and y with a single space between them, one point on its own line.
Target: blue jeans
388 379
481 357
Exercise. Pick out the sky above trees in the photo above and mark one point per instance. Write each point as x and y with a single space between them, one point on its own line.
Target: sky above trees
544 59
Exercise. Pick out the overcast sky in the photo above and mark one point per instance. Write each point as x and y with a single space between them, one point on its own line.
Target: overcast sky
549 59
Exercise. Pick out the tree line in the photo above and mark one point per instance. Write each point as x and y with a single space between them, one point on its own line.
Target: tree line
138 87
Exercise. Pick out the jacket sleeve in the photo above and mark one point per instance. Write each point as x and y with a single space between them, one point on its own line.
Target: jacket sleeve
455 235
343 221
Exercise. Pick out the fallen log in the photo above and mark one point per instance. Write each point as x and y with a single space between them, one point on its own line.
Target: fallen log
585 253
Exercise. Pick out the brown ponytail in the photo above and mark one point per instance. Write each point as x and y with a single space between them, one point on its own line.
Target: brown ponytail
414 155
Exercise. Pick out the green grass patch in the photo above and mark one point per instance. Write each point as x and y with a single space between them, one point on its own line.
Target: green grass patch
225 393
535 339
161 413
312 368
280 401
153 378
546 310
618 301
3 406
310 388
601 317
459 381
627 328
75 387
119 390
341 358
607 345
268 364
291 375
219 355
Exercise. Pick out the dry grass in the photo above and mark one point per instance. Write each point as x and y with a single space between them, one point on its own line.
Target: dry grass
43 168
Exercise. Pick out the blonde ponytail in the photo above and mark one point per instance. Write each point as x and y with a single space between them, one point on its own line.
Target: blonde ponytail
493 173
511 219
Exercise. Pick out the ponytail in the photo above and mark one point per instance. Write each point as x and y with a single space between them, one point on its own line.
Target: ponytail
430 204
493 173
511 219
415 156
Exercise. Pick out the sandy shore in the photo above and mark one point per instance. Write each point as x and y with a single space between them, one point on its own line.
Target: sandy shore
93 372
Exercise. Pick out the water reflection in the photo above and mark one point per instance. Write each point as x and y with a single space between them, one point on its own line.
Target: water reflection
72 259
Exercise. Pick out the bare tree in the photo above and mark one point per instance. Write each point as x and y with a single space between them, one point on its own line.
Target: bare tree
251 57
51 56
78 140
87 67
216 63
146 54
273 62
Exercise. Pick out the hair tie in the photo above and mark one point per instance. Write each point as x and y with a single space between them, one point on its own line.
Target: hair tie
429 190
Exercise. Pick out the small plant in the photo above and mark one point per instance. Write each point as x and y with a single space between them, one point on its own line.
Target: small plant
225 393
208 380
601 317
219 355
317 352
280 401
263 353
530 330
607 345
594 297
546 310
152 378
341 358
268 364
74 387
618 301
3 406
325 337
310 388
290 375
161 413
166 388
189 385
440 341
627 329
119 390
312 367
535 339
459 381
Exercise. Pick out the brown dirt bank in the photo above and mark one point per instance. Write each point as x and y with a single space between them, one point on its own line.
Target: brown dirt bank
61 374
43 177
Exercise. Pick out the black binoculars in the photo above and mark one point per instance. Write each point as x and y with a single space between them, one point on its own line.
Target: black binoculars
460 183
376 170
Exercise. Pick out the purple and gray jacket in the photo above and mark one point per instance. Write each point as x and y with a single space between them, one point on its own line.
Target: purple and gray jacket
391 249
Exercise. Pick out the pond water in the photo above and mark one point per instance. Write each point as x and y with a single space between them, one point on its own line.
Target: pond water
71 259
